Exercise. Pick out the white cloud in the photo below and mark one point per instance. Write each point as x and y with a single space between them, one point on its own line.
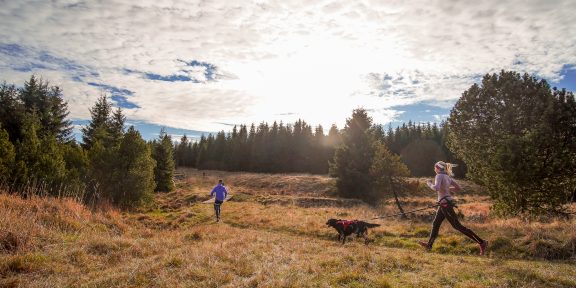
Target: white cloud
315 59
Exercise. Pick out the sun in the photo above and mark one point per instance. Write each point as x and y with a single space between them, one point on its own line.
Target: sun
319 80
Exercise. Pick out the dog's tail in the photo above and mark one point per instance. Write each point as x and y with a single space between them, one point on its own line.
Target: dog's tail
371 225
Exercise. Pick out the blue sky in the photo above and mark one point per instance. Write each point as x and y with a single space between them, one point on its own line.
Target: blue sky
195 66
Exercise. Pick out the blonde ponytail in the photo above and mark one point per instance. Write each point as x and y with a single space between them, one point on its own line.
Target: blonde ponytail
449 167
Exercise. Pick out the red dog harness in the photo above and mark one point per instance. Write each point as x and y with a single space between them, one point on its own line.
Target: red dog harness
347 223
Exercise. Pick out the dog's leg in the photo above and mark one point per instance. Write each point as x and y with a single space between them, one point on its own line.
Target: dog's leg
365 235
343 239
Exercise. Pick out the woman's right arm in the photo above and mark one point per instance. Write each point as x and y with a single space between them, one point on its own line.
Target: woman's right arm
436 185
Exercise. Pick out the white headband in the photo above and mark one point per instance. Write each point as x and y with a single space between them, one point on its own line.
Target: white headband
439 165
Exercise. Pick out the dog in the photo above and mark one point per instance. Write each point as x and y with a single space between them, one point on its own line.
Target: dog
348 227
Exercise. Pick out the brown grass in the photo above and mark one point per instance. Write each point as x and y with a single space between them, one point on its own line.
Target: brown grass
270 239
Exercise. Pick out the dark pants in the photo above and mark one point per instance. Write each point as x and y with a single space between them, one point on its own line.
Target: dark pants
217 204
446 211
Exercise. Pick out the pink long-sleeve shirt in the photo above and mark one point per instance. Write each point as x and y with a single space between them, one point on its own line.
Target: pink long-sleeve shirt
442 184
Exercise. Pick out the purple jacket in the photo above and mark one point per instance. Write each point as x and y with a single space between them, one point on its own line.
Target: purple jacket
220 191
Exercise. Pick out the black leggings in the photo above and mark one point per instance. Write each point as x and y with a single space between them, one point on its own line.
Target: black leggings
445 211
217 204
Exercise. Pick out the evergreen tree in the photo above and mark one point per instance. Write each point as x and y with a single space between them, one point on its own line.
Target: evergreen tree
55 122
319 161
101 139
201 152
283 155
165 166
116 127
518 138
363 165
420 155
180 151
352 160
100 172
420 146
47 102
235 149
76 160
220 151
7 156
99 127
41 159
135 171
11 112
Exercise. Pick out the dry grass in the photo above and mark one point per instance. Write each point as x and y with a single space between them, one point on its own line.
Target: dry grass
269 239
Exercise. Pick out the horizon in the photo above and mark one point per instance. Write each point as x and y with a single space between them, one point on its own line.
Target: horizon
197 67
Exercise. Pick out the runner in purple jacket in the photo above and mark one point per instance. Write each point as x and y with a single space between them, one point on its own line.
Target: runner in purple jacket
221 193
443 185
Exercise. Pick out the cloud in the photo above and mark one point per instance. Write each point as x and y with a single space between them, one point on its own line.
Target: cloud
194 64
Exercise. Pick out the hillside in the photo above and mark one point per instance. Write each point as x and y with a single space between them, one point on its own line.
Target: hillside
273 234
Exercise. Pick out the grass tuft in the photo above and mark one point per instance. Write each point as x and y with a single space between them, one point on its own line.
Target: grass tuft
174 262
21 264
194 236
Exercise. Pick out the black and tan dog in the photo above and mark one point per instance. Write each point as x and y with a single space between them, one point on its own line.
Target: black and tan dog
348 227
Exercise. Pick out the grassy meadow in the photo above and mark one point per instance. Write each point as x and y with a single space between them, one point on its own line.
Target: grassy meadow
273 234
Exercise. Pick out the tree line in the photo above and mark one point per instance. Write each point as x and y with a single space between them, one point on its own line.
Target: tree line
276 148
298 147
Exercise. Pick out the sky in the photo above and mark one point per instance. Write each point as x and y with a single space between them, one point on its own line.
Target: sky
194 66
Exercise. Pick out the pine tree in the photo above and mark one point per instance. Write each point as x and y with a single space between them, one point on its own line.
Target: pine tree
283 157
363 165
165 166
102 147
47 102
201 152
99 127
352 159
11 112
420 156
319 161
27 149
220 151
42 159
100 172
76 160
56 122
7 156
235 149
135 171
181 151
116 127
